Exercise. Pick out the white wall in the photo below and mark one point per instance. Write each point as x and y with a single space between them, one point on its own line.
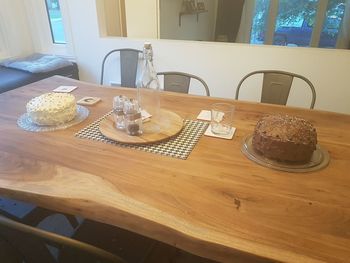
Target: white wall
15 32
109 17
221 65
40 32
141 18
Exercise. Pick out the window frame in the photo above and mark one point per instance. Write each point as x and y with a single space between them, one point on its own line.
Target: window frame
41 28
50 24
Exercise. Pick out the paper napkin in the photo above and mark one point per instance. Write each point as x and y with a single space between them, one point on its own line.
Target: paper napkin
65 89
204 115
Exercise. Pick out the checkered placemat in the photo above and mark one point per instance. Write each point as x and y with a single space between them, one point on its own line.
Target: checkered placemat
179 146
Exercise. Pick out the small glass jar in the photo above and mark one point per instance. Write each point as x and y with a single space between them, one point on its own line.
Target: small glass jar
133 118
118 111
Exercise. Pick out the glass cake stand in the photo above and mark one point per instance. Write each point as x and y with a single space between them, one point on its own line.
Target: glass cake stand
26 123
320 159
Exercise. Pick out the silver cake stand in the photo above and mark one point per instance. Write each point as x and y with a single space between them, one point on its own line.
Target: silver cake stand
26 123
320 159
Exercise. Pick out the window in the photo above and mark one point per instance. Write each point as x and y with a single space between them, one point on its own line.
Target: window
294 23
259 22
332 23
299 23
55 20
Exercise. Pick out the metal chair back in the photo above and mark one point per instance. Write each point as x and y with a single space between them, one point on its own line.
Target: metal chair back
276 86
180 82
129 59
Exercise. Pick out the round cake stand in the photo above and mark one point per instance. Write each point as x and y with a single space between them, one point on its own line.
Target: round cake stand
320 159
26 123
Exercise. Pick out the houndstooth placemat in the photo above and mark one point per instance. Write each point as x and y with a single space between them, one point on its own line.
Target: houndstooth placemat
178 147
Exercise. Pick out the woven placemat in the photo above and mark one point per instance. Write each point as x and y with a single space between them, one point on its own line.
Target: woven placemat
179 146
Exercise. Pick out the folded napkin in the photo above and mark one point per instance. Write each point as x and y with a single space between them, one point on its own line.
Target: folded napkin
37 63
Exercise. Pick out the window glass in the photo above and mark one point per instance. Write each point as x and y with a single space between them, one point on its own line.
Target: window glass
55 20
332 23
259 21
294 22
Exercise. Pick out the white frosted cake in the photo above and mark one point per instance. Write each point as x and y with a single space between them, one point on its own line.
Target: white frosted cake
52 108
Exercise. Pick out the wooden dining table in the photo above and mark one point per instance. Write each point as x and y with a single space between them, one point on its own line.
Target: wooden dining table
216 204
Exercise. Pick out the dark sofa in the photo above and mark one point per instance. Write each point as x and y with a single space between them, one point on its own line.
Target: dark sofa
14 78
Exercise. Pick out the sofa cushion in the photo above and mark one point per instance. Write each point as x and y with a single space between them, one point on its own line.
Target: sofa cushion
14 78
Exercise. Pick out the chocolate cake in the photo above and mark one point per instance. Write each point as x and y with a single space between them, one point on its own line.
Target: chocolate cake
285 138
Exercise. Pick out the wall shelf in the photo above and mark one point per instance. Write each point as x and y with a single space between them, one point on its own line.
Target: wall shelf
194 12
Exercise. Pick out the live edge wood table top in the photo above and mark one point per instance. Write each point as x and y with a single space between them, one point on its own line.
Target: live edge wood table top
217 204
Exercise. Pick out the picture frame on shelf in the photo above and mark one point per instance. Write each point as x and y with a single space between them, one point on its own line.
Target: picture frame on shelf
193 5
189 6
185 6
200 6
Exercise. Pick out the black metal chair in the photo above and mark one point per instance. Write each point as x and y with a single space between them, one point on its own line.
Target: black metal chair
180 82
129 59
276 86
34 245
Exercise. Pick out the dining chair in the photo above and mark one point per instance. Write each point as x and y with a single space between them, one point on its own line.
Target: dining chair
276 86
180 82
129 59
37 245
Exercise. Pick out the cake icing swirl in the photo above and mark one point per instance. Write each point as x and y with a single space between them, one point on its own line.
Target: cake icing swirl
52 108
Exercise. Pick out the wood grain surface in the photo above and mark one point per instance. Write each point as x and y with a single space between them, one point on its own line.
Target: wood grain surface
169 123
217 204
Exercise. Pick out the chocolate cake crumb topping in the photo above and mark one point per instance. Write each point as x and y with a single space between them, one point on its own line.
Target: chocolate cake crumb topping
285 138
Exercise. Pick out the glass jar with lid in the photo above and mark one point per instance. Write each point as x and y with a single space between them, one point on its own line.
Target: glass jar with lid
118 111
132 117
